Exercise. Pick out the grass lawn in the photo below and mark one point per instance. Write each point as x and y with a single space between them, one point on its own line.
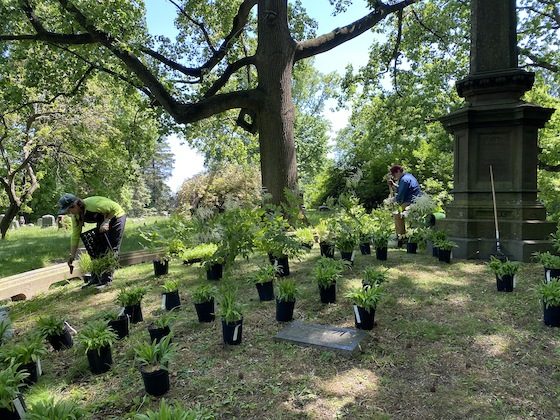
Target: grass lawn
31 247
447 345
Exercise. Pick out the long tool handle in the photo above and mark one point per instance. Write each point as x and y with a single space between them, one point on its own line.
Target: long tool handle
495 210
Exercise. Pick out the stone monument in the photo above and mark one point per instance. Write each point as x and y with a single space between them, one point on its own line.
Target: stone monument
47 221
496 129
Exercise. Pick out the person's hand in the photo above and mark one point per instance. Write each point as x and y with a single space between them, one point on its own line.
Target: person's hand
104 227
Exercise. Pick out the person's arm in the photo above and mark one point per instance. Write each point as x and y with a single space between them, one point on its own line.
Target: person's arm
74 240
401 191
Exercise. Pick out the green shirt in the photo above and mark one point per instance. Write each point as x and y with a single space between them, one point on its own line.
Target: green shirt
95 204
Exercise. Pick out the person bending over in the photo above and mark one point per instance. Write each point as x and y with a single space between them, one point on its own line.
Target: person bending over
407 187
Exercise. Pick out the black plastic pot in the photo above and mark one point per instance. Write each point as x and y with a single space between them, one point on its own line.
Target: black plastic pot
327 249
347 256
161 267
214 272
232 331
550 273
381 254
444 255
156 383
205 311
365 248
100 360
266 291
283 264
33 371
62 341
307 245
435 251
134 312
87 277
552 316
120 326
284 310
505 283
363 319
15 414
328 294
171 300
411 247
157 333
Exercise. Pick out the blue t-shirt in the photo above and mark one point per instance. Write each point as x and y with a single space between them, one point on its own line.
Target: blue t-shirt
408 189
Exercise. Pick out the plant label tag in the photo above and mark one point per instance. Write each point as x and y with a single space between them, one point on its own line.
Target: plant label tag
547 276
163 299
39 368
353 255
236 332
70 327
121 313
514 281
19 407
357 315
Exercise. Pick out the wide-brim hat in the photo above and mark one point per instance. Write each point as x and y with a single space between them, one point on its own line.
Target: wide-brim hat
65 202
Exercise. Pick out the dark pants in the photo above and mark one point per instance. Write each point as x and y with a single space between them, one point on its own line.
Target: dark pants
114 236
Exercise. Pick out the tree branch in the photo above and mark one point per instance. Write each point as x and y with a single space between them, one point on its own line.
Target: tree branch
230 69
326 42
538 61
195 22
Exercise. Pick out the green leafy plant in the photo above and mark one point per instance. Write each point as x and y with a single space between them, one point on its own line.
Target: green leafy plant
503 268
550 293
132 296
10 382
109 315
266 273
200 252
50 326
445 244
84 263
204 293
324 231
230 308
51 409
5 325
170 285
96 335
547 259
174 412
381 237
374 276
272 237
175 249
437 235
105 264
155 356
286 290
327 271
414 235
305 236
27 351
164 319
367 225
365 297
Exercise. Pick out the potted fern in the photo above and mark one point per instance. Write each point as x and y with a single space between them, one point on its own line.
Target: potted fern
198 253
97 339
286 291
154 360
170 295
436 236
326 272
131 300
203 299
27 355
214 266
232 317
160 327
51 409
118 322
374 276
263 280
84 264
413 237
551 264
346 240
326 238
505 272
55 331
365 300
305 237
550 296
102 268
445 246
12 404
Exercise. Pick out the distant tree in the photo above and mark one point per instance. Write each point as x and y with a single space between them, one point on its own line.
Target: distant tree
156 172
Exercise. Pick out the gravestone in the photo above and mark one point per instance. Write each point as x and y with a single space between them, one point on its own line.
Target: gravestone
344 340
495 129
14 224
40 222
47 221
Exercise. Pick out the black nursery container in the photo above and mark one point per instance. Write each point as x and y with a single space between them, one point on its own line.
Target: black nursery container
551 273
215 272
435 251
363 319
552 316
284 310
444 255
365 248
347 256
33 370
205 311
266 291
328 294
232 331
504 283
87 277
134 312
62 341
161 267
120 326
156 383
100 360
411 247
157 333
327 250
171 300
14 414
283 264
381 253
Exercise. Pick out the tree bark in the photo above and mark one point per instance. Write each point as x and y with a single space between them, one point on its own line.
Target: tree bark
11 212
275 118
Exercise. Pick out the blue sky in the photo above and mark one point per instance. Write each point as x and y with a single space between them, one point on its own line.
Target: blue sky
160 16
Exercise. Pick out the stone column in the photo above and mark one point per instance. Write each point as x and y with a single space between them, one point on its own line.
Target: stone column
496 128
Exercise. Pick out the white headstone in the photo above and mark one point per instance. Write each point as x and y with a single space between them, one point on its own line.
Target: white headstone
40 221
47 221
14 224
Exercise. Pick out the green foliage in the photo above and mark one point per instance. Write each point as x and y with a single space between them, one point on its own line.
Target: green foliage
286 290
50 326
202 251
365 297
107 263
445 244
131 296
230 309
174 412
419 210
50 409
272 237
327 271
550 293
165 319
96 334
155 356
437 235
324 231
305 236
5 325
170 285
85 263
109 315
204 293
266 273
381 236
547 259
10 382
374 275
503 268
346 232
29 350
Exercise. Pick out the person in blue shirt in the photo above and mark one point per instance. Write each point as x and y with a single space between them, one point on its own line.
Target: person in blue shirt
407 187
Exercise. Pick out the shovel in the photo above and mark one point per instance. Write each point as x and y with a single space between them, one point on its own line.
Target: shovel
500 255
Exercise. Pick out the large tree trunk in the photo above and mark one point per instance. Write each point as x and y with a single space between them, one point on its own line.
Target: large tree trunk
275 119
11 212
